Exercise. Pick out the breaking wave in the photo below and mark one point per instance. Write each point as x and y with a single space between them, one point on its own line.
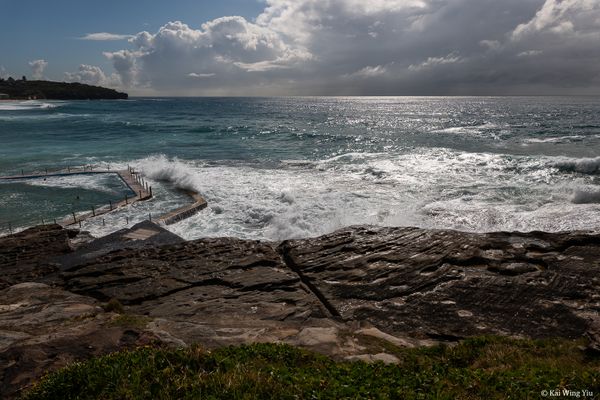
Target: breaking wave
581 165
430 188
28 105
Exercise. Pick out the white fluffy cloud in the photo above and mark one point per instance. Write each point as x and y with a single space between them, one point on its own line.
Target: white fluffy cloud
562 17
37 68
381 46
92 75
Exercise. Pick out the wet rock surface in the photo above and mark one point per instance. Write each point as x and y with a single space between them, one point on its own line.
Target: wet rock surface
352 294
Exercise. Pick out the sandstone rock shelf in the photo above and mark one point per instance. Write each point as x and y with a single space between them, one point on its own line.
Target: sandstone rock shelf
350 294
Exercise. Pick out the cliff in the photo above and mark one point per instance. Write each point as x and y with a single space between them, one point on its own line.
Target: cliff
354 294
22 89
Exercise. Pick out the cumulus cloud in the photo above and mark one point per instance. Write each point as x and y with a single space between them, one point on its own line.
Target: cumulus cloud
125 63
383 46
92 75
105 36
560 17
37 68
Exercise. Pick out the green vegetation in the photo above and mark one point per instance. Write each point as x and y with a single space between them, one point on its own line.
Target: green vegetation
486 367
24 89
114 305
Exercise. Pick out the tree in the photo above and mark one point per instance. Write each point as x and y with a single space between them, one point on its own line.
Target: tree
24 78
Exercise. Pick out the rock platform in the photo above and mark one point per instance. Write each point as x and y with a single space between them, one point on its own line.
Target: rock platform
350 294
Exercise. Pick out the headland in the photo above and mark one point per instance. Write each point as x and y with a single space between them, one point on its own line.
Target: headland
23 89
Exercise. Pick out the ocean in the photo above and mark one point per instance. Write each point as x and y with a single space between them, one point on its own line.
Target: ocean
279 168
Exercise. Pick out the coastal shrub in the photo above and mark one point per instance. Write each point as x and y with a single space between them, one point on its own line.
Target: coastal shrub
114 305
487 367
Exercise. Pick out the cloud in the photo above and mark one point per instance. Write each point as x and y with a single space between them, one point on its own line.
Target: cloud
37 68
125 63
560 17
3 73
432 62
530 53
491 44
93 75
384 47
195 75
105 36
232 45
369 72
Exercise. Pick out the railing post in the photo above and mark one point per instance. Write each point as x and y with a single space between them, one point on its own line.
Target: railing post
79 224
126 202
103 222
74 217
93 212
127 220
110 204
150 191
150 216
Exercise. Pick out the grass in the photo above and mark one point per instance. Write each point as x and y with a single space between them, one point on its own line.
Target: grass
485 367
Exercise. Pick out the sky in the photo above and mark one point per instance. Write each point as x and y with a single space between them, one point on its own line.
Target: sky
307 47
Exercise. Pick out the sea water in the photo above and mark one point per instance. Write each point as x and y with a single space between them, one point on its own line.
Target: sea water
278 168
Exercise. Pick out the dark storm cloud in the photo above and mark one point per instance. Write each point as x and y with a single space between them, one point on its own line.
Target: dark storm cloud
394 47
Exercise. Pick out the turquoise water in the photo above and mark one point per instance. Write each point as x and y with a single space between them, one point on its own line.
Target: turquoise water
277 168
49 198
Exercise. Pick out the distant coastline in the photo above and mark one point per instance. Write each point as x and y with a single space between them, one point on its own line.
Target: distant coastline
12 89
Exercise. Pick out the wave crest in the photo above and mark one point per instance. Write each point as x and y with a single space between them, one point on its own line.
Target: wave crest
173 171
581 165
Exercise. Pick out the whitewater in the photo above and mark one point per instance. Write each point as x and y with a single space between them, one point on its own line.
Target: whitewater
279 168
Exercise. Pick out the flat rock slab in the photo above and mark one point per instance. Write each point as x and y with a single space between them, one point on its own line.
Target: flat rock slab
211 281
449 285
